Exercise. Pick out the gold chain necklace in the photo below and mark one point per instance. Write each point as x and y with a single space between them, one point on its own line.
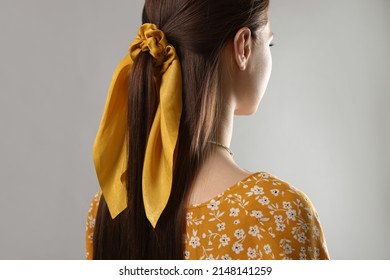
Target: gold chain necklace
220 145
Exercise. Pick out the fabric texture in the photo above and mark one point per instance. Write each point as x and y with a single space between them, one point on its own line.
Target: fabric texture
260 217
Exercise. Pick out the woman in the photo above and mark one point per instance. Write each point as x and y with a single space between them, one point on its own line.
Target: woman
171 188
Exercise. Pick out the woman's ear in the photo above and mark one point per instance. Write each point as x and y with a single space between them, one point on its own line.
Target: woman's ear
242 47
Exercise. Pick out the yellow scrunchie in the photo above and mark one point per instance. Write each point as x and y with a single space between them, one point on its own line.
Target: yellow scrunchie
109 150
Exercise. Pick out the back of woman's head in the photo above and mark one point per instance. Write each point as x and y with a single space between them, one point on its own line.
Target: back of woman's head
201 26
198 30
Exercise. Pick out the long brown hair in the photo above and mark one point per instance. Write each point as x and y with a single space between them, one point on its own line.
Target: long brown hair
199 30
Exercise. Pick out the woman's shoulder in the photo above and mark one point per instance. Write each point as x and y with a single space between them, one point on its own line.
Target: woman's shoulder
267 192
267 216
260 187
266 183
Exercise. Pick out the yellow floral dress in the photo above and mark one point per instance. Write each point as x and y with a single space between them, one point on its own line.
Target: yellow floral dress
260 217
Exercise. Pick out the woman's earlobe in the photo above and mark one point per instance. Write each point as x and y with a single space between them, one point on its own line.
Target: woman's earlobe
242 61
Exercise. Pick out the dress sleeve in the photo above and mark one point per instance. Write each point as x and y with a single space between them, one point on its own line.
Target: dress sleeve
305 231
90 226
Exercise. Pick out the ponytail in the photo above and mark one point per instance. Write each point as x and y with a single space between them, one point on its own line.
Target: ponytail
198 30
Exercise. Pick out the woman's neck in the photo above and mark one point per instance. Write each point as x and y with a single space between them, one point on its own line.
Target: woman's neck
225 127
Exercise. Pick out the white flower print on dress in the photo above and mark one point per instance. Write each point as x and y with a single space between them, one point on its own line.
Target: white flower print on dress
287 205
306 227
224 240
264 200
90 237
316 253
221 226
254 230
257 214
267 249
186 255
237 247
92 221
280 226
251 253
194 242
302 237
302 254
234 212
213 204
226 257
264 175
287 249
291 214
275 192
257 190
278 218
236 222
239 233
316 231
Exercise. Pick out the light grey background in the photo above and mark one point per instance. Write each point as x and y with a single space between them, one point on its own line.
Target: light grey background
322 126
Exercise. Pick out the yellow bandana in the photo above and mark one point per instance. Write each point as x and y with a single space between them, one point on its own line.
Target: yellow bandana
109 150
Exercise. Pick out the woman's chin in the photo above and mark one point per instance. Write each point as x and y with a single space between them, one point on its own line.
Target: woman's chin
245 111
